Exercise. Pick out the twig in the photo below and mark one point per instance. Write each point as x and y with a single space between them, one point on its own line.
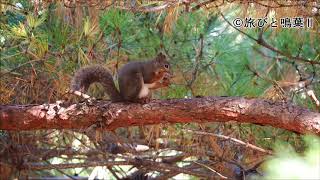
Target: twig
263 43
313 97
127 161
220 175
284 5
273 82
38 166
198 57
54 167
146 9
205 3
18 67
231 139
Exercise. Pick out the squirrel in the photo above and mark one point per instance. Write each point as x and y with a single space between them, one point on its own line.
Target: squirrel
135 79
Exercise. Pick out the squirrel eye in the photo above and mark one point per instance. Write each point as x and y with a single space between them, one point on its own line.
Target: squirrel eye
166 66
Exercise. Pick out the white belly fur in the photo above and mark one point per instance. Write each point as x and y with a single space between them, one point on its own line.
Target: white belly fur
145 90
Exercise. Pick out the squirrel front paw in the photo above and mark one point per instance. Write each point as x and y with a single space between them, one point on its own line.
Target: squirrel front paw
166 79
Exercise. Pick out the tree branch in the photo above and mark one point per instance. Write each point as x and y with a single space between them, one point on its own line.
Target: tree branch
110 116
128 161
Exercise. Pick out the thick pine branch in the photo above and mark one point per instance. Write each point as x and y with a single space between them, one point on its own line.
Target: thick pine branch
110 116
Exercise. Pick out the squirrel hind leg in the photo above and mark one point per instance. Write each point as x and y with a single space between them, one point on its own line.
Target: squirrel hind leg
148 98
135 99
130 87
144 100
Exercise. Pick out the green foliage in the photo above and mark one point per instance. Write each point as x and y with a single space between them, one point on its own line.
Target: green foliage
290 165
129 33
224 65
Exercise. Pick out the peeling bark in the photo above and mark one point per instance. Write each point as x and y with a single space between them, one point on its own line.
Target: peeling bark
114 115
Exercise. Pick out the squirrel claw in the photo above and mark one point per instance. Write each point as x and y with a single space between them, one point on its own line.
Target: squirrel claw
144 100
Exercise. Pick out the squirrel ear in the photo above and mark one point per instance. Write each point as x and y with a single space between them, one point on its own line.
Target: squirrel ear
161 57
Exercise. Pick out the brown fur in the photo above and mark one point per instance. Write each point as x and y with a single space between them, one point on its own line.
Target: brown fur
131 78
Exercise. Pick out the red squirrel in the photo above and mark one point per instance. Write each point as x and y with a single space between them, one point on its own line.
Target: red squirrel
136 79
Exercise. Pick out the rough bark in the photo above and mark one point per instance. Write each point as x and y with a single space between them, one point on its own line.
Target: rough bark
114 115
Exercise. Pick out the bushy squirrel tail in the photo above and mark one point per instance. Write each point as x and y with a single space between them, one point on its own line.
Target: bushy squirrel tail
85 76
